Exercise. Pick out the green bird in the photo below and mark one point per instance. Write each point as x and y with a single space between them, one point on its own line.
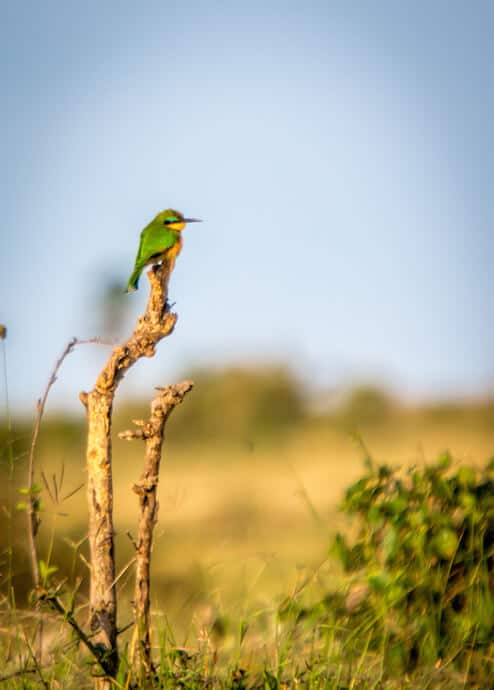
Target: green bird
161 240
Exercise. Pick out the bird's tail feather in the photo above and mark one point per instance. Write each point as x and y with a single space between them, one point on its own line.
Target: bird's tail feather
133 283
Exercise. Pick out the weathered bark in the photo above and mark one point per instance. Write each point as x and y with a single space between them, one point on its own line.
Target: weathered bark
152 432
156 323
102 597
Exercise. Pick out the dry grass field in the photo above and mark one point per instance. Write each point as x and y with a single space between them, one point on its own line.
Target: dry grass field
246 523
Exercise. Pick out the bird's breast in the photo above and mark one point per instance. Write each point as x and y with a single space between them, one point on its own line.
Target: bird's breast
174 251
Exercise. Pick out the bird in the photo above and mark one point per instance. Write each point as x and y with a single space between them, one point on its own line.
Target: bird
161 240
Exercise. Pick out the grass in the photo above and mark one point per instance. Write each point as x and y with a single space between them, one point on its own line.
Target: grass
246 589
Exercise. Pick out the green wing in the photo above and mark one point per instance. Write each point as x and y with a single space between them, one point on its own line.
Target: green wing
155 240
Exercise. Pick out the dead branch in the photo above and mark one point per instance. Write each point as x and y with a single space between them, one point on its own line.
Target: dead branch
152 432
98 652
157 322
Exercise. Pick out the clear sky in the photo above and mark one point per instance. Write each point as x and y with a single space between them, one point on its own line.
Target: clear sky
340 153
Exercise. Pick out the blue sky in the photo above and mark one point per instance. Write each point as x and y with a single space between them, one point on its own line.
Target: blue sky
341 155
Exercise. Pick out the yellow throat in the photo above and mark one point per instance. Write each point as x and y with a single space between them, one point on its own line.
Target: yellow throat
179 225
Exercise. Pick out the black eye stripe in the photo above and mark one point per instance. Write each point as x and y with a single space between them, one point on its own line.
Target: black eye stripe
170 221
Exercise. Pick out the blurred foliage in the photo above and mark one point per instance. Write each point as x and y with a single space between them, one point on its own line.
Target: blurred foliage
61 432
479 414
366 405
239 404
421 568
243 404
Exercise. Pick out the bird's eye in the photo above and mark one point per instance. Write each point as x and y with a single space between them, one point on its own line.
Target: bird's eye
170 221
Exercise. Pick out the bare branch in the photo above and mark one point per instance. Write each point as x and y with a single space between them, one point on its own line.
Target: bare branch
131 435
152 432
157 322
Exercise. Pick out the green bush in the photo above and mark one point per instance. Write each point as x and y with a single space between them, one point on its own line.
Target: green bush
423 567
420 569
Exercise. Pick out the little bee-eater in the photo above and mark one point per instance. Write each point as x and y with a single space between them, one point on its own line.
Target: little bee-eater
161 240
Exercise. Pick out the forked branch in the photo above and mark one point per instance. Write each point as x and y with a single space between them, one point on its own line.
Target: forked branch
157 322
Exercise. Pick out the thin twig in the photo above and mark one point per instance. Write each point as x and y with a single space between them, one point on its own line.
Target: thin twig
16 674
73 492
97 651
134 543
37 665
33 520
31 507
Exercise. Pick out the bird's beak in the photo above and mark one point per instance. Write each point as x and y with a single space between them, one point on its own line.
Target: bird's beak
192 220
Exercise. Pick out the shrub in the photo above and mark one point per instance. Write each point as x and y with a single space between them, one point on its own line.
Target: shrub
421 569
